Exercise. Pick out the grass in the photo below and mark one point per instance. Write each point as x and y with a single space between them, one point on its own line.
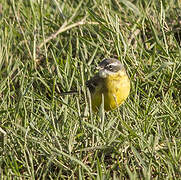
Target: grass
50 47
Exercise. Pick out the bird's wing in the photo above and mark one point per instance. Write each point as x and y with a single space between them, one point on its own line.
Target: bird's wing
93 83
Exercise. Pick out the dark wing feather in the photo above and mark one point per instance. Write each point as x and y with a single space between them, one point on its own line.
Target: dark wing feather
92 83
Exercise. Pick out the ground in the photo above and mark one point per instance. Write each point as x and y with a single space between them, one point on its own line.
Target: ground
51 47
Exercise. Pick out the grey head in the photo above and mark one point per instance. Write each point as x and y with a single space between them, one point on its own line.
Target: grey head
109 66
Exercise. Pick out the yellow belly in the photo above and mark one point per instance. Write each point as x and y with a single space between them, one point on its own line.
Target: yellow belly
114 90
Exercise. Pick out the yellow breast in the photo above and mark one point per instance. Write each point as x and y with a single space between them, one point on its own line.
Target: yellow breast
115 89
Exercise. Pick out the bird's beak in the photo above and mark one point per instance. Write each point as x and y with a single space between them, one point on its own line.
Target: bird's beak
99 68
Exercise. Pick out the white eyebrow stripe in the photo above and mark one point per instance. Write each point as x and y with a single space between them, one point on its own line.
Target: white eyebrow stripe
114 64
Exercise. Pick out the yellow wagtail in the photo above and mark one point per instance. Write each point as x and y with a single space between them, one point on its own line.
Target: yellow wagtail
111 82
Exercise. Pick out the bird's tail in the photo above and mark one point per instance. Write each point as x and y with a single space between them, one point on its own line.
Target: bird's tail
69 93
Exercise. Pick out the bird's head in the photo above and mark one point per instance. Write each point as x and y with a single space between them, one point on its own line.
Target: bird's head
110 67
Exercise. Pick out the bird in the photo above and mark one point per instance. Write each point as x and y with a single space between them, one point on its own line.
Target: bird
111 82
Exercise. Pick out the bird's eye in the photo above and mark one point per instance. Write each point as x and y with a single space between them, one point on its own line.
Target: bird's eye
110 67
